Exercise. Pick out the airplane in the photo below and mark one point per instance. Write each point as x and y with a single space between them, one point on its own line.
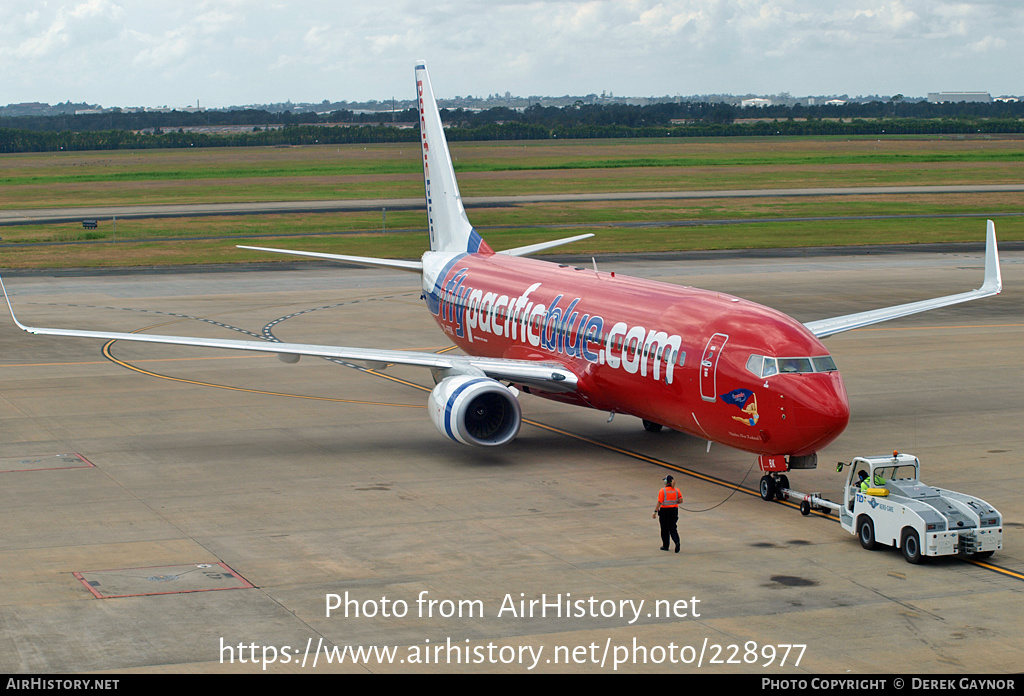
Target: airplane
718 367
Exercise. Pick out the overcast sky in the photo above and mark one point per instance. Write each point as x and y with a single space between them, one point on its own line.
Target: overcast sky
234 52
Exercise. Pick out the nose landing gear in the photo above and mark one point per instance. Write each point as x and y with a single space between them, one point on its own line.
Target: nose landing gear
773 485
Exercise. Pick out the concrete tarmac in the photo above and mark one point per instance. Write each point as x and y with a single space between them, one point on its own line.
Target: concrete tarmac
205 512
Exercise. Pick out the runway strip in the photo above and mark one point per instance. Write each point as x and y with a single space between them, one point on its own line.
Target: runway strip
52 215
554 226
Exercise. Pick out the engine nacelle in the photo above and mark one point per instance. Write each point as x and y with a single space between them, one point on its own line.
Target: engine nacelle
475 410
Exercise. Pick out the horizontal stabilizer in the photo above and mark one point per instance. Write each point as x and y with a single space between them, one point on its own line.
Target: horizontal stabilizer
541 246
411 266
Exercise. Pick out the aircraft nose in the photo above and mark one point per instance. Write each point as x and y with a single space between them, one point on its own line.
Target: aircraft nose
835 410
823 412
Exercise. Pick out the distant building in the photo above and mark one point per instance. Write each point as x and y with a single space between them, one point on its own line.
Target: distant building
940 97
29 107
1005 98
836 102
755 102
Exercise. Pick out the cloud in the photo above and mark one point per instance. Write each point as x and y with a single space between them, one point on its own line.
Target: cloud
68 25
95 8
989 43
159 51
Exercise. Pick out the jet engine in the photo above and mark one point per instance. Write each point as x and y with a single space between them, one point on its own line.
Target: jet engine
475 410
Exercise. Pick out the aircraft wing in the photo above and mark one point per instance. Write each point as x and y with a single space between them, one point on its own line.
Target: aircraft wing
992 285
549 376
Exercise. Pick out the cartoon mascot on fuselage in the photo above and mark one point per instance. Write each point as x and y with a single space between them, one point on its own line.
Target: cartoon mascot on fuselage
746 401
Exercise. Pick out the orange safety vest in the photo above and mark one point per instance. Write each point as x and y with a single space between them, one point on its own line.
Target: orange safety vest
669 497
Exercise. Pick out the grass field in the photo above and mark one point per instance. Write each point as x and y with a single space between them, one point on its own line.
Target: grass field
393 170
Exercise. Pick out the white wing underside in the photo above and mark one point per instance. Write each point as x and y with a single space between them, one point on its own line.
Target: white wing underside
992 285
544 376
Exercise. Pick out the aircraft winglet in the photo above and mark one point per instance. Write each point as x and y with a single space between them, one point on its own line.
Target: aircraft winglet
993 275
18 323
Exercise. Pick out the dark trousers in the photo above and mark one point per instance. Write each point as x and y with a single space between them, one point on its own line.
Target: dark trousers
668 518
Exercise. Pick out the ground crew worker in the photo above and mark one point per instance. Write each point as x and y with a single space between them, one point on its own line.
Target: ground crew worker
865 483
667 510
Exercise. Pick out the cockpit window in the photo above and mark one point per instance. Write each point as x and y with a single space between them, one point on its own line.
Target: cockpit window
824 364
795 365
763 366
755 363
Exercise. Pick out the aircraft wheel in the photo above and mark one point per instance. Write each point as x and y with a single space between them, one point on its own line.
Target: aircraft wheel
767 488
910 544
782 482
652 427
981 555
866 532
805 508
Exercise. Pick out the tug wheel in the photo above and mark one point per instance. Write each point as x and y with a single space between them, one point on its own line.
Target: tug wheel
866 533
910 544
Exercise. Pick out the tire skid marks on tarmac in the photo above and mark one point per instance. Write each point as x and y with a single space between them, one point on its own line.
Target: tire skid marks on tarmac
267 333
172 314
268 330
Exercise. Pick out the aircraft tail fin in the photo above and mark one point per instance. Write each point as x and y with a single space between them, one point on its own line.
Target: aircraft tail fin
450 229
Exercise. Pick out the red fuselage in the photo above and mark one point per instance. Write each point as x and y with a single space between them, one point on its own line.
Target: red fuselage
709 364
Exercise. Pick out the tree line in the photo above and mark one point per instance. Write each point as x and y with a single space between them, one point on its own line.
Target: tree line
580 114
166 120
91 132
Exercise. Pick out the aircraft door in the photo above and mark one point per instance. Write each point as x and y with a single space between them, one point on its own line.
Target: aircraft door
709 366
